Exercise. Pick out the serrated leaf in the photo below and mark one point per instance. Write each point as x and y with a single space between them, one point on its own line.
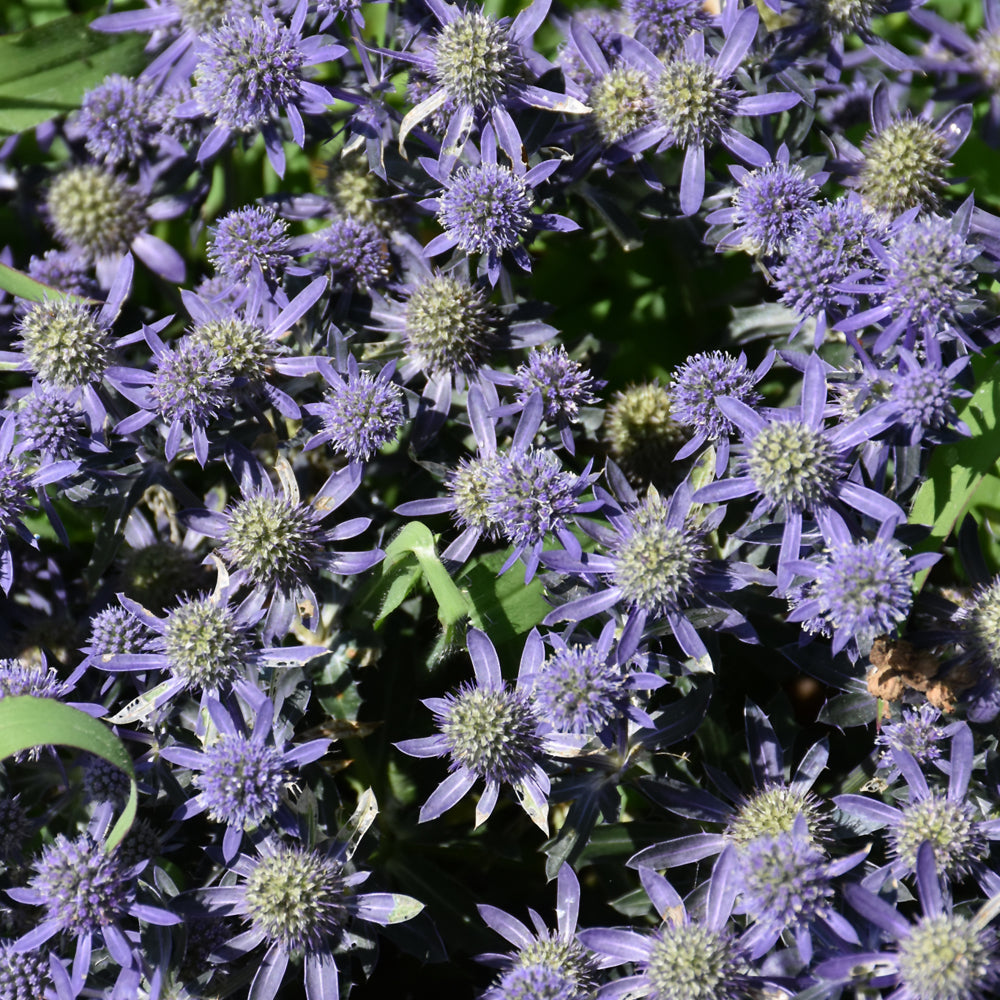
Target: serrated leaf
27 722
960 475
45 71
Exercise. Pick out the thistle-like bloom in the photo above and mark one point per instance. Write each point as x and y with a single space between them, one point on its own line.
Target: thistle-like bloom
682 959
949 822
664 25
833 242
771 808
491 733
86 892
243 780
555 958
769 204
353 251
655 565
204 645
251 71
786 883
361 413
943 954
301 902
486 208
480 69
101 217
51 421
694 390
275 542
116 120
793 463
66 270
918 733
860 590
23 975
694 103
564 384
928 288
250 242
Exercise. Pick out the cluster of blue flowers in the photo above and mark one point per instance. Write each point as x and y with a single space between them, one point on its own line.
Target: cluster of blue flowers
290 450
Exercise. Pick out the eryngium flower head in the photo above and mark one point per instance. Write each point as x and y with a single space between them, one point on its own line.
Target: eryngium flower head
642 432
243 349
449 325
103 782
95 212
904 167
204 643
24 975
116 120
688 961
191 385
20 678
830 245
619 102
693 102
948 824
657 565
979 621
793 463
565 384
354 251
468 484
66 270
928 274
916 732
770 203
475 60
696 384
665 24
580 689
115 630
948 955
65 343
51 421
862 589
81 885
843 17
241 779
773 811
361 413
487 208
248 241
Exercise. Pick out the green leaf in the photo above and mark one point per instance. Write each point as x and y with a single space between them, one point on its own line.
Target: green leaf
503 606
45 71
26 722
24 287
960 475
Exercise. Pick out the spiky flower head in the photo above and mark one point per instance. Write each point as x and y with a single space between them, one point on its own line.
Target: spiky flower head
468 485
657 566
642 432
924 395
948 824
916 732
929 275
83 886
863 589
772 811
565 384
250 239
770 203
696 384
689 961
486 208
793 463
95 212
904 167
985 57
191 384
665 24
475 60
237 346
784 879
202 16
979 621
530 495
297 898
249 68
19 678
242 780
66 270
103 782
65 343
24 975
549 967
449 326
362 413
491 732
620 103
274 539
50 421
204 644
843 17
354 251
117 121
535 982
831 243
579 691
693 102
947 956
